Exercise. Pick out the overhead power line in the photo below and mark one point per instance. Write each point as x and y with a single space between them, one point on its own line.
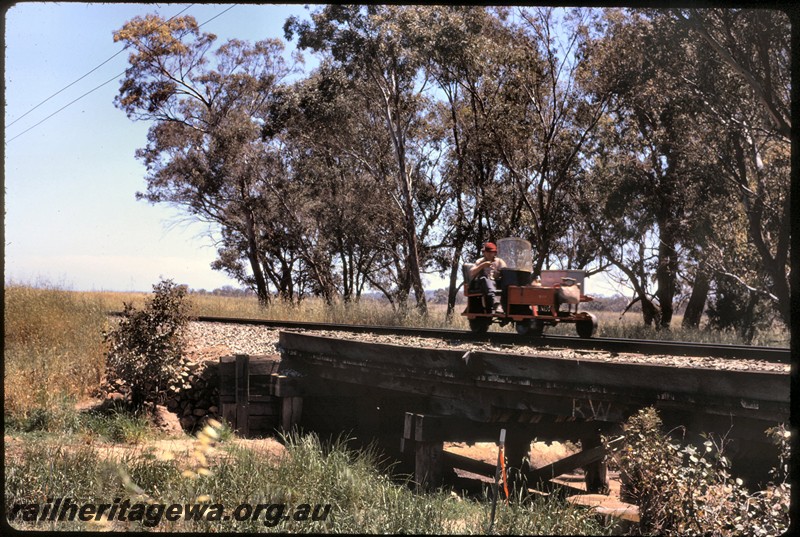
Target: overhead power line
84 76
97 87
66 87
65 106
218 15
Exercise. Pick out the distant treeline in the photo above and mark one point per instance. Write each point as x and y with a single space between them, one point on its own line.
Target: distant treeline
225 290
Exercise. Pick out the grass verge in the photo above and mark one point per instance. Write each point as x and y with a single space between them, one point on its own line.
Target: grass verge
362 499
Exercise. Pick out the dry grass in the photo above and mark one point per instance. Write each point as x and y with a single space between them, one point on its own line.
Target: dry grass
364 312
53 346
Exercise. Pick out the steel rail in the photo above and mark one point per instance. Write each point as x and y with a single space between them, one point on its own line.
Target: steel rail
670 348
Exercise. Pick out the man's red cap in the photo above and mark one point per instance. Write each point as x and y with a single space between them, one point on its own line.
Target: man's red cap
489 246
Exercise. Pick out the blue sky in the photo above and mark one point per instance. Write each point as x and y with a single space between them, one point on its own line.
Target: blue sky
72 219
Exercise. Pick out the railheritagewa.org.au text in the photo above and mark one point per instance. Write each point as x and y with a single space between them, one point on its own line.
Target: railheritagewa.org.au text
153 514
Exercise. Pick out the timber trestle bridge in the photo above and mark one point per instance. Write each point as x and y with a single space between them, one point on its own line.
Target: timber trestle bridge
412 400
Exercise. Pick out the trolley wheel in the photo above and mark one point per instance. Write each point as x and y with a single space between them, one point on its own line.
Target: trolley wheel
587 327
480 325
537 328
530 327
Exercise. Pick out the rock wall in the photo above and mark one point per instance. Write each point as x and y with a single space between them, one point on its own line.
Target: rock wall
191 406
200 401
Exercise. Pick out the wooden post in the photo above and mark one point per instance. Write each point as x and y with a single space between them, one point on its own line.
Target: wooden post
428 457
517 449
291 410
242 393
407 441
428 464
596 472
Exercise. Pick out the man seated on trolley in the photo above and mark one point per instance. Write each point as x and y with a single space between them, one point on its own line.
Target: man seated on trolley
486 271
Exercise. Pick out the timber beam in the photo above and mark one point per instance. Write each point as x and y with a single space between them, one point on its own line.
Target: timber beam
425 435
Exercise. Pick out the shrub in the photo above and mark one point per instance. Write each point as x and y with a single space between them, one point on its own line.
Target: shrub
686 491
146 348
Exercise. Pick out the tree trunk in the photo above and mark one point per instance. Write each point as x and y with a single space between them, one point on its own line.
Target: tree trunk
286 284
697 301
412 261
666 275
747 326
455 271
255 264
754 210
651 314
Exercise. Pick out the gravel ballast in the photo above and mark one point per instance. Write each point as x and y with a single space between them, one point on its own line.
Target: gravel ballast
212 340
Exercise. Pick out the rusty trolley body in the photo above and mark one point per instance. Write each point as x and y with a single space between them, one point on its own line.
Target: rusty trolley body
530 304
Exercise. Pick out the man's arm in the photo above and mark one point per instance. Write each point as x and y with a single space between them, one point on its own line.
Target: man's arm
479 266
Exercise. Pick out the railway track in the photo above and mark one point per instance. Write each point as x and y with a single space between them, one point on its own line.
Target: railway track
675 348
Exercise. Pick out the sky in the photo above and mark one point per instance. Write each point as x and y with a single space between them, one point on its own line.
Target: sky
71 216
70 172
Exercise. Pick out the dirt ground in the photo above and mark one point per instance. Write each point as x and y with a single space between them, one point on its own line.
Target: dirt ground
543 453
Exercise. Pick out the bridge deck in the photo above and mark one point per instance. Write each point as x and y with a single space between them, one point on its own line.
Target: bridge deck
414 399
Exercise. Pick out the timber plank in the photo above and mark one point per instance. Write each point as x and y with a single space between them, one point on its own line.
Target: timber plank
448 361
761 385
447 428
585 402
637 382
263 424
229 413
569 463
270 408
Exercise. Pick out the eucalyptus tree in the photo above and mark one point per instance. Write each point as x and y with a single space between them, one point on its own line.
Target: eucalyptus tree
725 75
204 153
743 78
372 45
650 174
331 148
540 122
456 42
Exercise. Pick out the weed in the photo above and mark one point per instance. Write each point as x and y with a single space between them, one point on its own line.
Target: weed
118 425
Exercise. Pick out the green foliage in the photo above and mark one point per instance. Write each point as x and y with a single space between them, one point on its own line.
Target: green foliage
736 308
689 491
533 514
146 348
117 425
